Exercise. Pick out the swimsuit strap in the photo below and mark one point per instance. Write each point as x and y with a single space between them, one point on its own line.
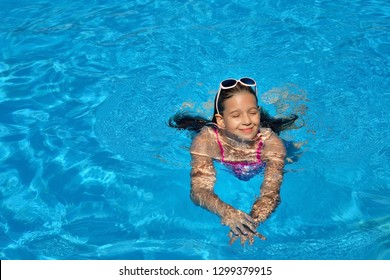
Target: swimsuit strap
258 151
220 146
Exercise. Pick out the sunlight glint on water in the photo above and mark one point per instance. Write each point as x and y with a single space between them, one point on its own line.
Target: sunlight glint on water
89 169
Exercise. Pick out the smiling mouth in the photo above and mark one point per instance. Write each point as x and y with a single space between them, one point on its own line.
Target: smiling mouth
247 130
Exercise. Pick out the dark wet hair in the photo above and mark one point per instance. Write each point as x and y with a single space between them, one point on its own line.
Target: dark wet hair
183 120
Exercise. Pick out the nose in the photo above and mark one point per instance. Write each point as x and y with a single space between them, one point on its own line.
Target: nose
246 120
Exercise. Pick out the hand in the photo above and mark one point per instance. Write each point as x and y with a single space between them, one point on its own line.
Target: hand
250 237
239 222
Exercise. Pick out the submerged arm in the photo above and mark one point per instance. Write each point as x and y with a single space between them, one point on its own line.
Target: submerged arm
274 155
202 187
202 194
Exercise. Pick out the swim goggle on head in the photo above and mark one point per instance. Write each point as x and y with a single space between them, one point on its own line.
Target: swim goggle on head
231 83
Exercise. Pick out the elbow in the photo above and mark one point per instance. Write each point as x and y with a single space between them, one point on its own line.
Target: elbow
196 197
199 197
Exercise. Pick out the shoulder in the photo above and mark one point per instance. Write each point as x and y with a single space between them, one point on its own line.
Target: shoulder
204 142
266 133
272 142
207 133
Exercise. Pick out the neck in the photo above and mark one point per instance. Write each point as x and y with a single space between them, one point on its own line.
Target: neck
235 140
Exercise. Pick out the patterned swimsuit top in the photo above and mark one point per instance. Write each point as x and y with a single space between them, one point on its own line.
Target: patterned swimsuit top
243 170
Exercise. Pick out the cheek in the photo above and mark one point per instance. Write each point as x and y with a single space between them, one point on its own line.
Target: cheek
233 123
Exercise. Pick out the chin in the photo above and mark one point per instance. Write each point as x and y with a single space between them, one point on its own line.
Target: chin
247 136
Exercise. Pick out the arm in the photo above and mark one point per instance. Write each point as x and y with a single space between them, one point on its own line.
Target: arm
274 154
202 187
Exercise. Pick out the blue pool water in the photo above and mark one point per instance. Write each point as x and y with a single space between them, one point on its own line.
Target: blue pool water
89 169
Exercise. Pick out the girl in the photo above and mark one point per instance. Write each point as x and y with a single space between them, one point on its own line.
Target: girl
244 138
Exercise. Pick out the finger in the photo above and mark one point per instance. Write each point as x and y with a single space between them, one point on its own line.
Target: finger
234 230
242 229
251 227
233 239
259 235
243 240
232 234
251 240
249 219
250 224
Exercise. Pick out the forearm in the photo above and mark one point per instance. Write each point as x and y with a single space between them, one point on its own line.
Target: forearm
269 198
203 177
274 155
207 199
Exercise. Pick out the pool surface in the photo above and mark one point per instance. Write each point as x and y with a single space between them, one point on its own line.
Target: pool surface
89 169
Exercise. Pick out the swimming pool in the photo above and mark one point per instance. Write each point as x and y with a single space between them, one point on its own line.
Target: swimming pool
89 170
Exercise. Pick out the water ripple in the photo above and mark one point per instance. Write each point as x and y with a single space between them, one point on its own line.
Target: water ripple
88 166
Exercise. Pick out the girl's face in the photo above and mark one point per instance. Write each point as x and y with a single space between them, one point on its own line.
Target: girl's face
241 116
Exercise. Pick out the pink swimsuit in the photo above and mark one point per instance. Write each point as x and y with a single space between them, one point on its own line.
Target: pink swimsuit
243 170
